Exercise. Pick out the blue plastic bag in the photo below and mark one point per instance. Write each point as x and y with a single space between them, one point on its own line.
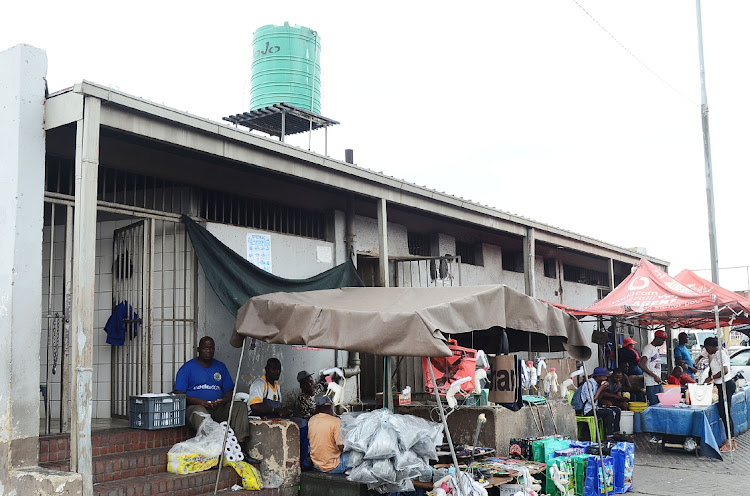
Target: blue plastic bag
595 484
624 456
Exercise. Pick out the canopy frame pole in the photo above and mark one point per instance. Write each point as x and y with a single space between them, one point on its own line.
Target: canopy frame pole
229 418
596 424
720 338
445 426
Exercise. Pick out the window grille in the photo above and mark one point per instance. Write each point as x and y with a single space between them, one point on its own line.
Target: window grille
512 260
419 244
585 276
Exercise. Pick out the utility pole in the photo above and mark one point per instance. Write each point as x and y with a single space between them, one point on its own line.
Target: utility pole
707 154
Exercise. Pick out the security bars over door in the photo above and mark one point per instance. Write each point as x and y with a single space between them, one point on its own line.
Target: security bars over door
132 361
162 292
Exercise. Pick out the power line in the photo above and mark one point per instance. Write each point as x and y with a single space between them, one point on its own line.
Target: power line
634 56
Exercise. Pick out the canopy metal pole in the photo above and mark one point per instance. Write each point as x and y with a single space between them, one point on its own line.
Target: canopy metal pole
229 418
720 338
445 426
596 422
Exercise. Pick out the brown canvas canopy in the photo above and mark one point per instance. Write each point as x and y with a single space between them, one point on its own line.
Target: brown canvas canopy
403 321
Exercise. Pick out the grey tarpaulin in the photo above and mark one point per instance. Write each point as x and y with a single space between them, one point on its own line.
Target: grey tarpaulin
235 280
404 321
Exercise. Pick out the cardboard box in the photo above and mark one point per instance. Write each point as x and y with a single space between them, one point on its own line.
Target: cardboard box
398 399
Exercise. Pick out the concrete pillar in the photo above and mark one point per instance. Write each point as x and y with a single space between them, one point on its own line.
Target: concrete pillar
22 149
611 270
384 273
23 69
529 262
84 273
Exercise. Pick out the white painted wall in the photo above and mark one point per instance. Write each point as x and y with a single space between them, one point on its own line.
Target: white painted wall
22 148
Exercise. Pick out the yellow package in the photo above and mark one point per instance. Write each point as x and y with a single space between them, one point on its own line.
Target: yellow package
189 463
250 475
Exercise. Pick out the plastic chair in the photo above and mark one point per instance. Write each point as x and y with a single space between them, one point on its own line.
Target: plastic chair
589 422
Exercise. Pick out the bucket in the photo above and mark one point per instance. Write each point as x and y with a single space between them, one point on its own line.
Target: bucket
637 406
626 422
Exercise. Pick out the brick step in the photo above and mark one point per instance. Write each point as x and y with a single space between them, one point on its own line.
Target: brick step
121 465
170 484
56 447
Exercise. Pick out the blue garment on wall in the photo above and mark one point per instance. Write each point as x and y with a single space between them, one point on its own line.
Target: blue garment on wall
116 325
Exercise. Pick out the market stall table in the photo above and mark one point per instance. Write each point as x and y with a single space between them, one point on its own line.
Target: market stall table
702 422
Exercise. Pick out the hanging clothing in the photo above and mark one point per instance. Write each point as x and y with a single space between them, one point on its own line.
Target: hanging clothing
116 326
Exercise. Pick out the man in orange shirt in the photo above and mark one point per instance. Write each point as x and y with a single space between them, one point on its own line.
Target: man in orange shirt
326 445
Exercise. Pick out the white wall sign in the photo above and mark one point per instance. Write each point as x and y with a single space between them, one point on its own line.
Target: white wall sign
325 254
259 251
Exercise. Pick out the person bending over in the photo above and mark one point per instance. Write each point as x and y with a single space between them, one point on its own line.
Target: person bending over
678 377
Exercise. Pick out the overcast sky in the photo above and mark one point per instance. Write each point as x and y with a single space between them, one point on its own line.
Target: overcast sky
527 106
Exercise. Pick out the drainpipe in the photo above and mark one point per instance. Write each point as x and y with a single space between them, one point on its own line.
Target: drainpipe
353 367
350 213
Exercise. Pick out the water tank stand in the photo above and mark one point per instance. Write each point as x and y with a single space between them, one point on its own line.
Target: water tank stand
282 120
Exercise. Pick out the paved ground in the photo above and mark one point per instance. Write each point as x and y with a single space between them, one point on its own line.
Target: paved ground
680 473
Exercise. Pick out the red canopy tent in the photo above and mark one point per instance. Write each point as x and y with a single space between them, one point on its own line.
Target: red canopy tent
733 308
651 297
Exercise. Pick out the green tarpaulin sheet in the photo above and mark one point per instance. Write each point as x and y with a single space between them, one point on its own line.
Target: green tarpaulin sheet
235 280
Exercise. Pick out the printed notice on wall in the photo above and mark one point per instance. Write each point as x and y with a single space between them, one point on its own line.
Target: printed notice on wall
325 254
259 251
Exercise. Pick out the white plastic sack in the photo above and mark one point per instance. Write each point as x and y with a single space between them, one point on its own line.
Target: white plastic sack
384 443
384 471
362 474
198 453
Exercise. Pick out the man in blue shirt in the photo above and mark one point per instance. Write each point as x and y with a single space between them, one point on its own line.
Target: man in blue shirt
208 388
681 351
590 396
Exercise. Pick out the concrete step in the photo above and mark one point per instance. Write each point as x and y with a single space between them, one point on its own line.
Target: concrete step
55 448
169 484
121 465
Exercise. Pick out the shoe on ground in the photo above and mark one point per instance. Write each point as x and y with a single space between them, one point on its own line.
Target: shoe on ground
654 439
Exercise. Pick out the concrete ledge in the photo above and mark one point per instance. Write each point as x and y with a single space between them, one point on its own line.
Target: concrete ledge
502 424
276 443
39 481
316 483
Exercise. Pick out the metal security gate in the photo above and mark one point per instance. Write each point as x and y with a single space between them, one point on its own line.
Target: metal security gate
155 272
132 361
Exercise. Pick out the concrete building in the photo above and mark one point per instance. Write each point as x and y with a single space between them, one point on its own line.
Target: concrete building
95 182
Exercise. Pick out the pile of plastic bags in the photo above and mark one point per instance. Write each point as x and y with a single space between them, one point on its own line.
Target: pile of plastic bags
387 451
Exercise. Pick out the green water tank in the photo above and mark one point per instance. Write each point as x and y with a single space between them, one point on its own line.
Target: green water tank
286 67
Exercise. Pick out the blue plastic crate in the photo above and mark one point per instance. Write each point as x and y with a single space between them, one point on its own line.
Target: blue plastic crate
157 412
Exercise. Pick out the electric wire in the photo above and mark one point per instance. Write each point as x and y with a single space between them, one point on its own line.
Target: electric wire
634 56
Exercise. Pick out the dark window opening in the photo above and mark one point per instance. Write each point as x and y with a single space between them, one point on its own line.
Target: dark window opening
550 268
585 276
513 260
419 244
470 253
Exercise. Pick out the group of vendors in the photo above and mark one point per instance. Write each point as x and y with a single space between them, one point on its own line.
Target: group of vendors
648 364
208 387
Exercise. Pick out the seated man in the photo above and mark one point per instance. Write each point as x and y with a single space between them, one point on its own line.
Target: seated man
609 414
613 395
305 407
265 393
679 377
208 388
326 445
